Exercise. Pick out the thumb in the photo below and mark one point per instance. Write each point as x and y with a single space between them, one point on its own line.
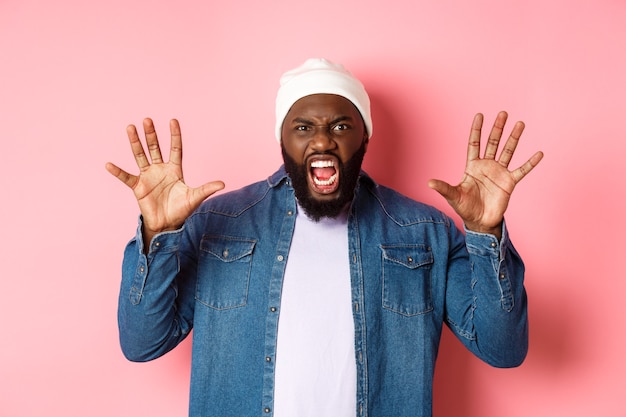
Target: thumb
205 191
446 190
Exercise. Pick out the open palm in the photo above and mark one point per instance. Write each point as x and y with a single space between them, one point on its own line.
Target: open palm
165 201
483 195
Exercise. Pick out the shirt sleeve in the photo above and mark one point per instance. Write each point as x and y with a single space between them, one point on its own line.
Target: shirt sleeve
487 306
154 311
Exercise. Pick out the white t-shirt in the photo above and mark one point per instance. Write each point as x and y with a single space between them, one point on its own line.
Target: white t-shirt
315 357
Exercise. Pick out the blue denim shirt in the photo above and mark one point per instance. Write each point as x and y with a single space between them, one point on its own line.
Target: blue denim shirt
411 271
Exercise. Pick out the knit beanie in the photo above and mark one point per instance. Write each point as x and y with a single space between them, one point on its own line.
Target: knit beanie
320 76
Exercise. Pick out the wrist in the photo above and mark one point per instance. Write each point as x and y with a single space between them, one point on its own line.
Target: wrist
148 233
147 228
477 228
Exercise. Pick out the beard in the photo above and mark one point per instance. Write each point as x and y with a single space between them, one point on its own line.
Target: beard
317 209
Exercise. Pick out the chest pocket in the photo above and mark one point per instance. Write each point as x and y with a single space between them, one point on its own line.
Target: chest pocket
407 279
224 267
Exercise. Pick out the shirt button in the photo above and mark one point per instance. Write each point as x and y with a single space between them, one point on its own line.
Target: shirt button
273 309
502 276
268 359
225 253
141 269
409 260
290 213
280 258
267 410
494 244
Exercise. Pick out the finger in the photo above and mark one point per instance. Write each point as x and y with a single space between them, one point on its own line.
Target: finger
176 147
511 143
205 191
522 171
128 179
473 147
447 191
152 141
495 135
137 148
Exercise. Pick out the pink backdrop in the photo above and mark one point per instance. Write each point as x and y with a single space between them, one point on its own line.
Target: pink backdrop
75 73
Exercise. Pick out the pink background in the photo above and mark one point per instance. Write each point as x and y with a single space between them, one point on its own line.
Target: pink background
75 73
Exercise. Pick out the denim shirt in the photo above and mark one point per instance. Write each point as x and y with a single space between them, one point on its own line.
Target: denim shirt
411 271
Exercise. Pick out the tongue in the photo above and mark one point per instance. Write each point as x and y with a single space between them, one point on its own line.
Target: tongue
324 173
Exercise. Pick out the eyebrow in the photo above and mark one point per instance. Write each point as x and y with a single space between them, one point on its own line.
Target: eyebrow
332 122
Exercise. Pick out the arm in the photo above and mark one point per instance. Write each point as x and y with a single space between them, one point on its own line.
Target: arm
155 310
486 302
156 297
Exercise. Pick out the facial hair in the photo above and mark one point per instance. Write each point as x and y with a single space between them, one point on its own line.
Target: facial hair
316 209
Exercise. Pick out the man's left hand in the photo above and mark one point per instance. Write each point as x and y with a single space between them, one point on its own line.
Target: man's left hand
482 196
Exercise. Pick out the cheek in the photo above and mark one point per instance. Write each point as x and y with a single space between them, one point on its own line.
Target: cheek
294 150
349 150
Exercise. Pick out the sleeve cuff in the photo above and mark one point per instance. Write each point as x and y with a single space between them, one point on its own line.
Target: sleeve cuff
161 241
484 243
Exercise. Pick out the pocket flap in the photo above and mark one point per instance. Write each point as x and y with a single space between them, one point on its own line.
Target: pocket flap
226 248
410 256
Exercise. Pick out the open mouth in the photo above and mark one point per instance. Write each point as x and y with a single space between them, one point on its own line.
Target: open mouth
323 176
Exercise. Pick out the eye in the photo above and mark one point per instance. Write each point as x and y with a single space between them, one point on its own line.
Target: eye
341 127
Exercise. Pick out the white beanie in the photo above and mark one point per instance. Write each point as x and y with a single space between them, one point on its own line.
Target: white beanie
320 76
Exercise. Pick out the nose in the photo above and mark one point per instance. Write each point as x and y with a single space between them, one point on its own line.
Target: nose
322 139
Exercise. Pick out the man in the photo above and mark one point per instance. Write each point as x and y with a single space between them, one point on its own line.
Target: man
318 292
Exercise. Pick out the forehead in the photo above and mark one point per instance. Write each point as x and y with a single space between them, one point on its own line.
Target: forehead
320 105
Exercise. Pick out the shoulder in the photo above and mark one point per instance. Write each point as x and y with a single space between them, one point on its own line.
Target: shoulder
400 208
234 203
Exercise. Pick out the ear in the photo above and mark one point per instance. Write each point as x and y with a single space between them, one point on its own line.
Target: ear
366 140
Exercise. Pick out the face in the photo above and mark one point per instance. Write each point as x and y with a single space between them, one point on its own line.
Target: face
323 143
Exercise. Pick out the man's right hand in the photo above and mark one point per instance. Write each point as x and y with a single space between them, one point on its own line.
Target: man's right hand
165 201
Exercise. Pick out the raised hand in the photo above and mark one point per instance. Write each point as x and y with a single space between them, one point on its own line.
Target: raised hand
165 201
483 195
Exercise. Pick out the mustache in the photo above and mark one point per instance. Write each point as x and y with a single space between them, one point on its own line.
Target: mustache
323 153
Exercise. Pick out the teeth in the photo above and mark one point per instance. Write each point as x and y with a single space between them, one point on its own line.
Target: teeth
325 182
322 164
